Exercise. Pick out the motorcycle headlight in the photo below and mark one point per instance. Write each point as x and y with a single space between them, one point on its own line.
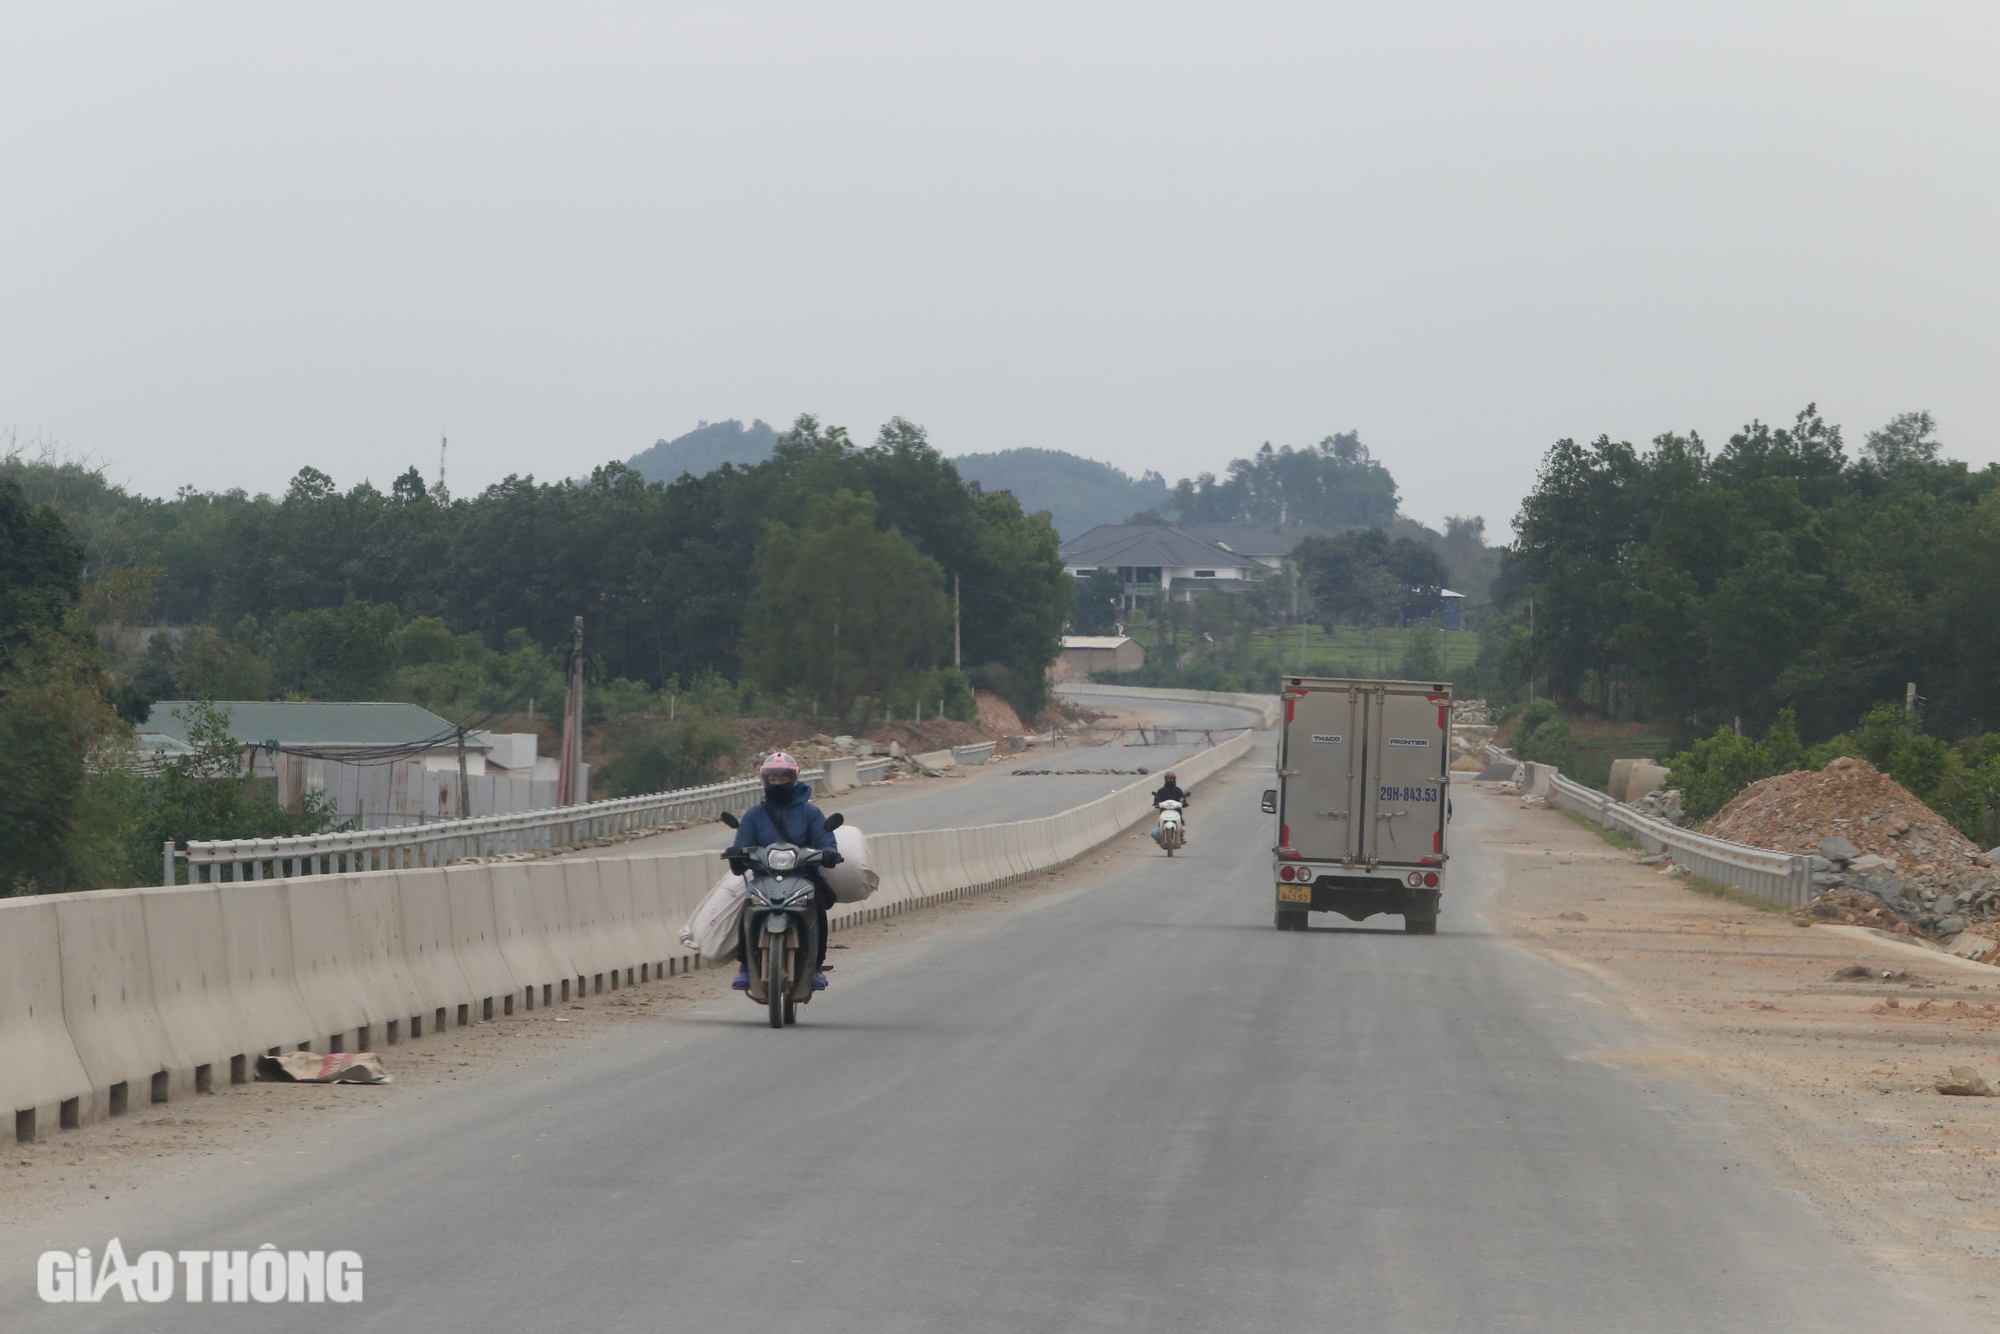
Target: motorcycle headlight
781 859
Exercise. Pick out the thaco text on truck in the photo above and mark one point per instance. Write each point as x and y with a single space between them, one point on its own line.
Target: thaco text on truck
1363 800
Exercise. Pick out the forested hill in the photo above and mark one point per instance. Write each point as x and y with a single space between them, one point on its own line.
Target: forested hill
315 584
704 449
1078 493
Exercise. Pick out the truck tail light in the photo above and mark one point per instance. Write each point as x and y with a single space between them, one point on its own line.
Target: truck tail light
1285 873
1430 880
1416 879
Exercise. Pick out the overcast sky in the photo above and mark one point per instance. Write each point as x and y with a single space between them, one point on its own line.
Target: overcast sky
237 240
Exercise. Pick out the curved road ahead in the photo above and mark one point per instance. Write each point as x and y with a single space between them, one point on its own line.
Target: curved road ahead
1131 1107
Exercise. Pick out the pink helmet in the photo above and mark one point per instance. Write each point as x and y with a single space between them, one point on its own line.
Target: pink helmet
780 763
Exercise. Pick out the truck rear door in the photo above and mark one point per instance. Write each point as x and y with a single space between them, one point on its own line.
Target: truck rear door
1403 801
1324 774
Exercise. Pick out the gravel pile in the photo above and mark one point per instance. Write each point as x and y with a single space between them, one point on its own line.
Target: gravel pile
1867 834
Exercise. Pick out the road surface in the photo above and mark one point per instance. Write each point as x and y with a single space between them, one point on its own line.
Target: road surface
1131 1107
991 793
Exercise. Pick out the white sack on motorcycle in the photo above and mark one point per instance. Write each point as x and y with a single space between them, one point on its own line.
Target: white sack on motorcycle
711 932
855 878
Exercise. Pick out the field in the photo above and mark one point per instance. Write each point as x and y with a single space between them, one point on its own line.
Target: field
1352 651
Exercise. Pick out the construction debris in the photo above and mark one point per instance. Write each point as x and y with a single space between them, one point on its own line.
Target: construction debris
305 1067
1848 907
1965 1081
1868 835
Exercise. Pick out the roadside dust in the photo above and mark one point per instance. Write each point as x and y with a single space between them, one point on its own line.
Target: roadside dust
274 1122
1830 1065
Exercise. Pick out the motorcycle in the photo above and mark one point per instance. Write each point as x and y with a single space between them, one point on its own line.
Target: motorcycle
1173 829
779 922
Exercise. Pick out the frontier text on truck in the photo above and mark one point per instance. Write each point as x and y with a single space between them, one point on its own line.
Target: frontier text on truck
1363 800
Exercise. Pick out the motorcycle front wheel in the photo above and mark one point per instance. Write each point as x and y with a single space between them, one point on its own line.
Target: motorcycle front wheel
778 984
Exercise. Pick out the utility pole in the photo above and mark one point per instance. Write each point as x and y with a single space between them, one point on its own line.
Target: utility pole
957 655
572 733
442 442
464 797
1909 697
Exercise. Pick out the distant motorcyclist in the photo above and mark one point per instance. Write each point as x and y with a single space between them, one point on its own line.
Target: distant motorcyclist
1171 791
787 815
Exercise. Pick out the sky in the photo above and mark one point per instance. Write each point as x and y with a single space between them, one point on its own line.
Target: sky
242 239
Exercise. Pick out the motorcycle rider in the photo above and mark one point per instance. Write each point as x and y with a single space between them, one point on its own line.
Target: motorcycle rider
786 815
1171 791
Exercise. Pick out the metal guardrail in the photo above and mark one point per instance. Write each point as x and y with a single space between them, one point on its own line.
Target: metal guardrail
974 754
1781 878
446 841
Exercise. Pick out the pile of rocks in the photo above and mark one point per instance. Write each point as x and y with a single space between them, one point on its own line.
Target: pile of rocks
1867 834
1662 804
1849 907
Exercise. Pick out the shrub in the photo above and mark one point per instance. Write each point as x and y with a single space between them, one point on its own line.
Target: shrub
654 754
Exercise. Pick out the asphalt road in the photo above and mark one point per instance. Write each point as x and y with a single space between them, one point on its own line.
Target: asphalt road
991 793
1133 1107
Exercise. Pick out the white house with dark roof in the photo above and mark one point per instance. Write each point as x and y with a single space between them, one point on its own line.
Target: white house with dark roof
1177 559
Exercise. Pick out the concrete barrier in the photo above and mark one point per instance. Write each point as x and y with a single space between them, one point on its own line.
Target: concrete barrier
329 977
188 956
1645 779
434 953
263 979
107 985
375 930
39 1066
475 932
629 947
532 910
840 774
109 1000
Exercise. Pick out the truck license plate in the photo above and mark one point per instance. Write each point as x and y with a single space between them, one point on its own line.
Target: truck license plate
1295 893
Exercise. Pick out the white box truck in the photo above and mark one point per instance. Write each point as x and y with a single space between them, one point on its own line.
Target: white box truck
1363 800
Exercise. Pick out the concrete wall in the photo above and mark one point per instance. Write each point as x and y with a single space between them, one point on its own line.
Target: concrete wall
116 998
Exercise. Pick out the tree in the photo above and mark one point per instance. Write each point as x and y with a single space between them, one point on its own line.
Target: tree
344 652
1906 439
55 714
1364 578
1100 601
1333 484
842 611
1423 654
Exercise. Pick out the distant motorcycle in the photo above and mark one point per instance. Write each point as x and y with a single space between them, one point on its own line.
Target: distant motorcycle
778 922
1173 829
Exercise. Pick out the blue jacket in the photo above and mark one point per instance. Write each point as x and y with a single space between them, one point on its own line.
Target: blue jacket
798 821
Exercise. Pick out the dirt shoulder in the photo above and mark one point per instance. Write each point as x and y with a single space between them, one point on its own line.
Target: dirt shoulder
1833 1076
